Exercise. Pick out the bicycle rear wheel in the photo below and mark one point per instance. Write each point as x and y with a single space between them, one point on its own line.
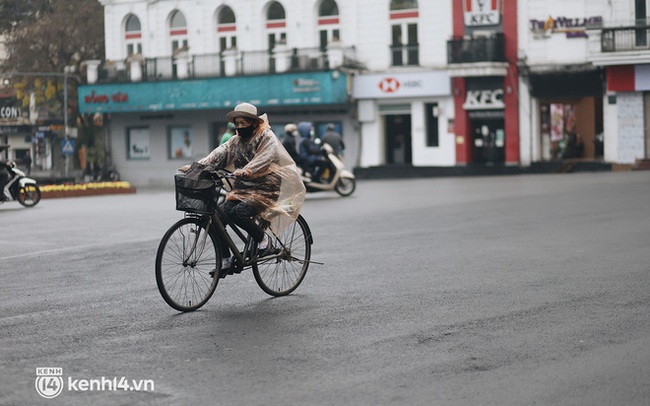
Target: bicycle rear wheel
186 255
282 274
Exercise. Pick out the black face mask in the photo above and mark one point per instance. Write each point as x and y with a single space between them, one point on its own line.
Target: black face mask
246 132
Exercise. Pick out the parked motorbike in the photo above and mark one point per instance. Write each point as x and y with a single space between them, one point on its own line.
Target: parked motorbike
21 188
334 177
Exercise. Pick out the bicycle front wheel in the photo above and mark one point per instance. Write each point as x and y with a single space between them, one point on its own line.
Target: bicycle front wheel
282 274
186 255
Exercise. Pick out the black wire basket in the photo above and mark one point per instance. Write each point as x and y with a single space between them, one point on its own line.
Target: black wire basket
196 195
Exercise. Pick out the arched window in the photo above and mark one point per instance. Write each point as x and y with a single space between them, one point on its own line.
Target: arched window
178 30
275 12
226 28
403 5
133 24
328 23
404 32
276 25
132 35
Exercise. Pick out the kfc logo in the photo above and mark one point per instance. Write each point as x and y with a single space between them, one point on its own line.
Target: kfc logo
481 12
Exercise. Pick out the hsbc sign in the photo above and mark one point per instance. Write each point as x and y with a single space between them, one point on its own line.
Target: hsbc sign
401 85
484 99
392 85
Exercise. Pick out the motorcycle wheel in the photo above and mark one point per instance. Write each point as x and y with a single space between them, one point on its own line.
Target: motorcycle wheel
345 186
29 195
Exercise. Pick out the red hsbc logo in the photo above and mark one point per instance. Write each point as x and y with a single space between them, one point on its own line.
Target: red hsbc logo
389 85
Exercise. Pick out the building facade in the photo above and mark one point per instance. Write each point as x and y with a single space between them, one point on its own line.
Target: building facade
408 83
173 69
621 47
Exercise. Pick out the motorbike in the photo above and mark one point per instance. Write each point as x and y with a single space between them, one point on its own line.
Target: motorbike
21 188
334 177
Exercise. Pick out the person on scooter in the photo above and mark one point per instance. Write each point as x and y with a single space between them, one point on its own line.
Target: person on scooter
289 142
5 167
310 154
334 139
267 182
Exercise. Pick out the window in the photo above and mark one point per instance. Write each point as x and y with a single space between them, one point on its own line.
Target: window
178 31
276 25
328 23
403 5
180 142
226 27
133 35
276 11
138 143
404 32
432 112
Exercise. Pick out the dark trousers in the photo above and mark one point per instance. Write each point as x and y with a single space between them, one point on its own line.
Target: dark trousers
241 213
4 178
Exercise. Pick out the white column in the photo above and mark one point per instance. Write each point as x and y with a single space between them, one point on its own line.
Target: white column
135 67
281 53
230 61
92 67
182 61
335 54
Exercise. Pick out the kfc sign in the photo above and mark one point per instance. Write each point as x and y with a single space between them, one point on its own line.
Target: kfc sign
481 12
484 99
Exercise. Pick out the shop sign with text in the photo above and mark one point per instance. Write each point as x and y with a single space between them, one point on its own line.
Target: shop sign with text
481 12
484 99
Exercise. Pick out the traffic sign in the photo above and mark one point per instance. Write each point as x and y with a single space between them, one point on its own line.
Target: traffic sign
67 147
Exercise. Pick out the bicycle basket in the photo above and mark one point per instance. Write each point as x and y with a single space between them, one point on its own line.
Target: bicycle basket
195 195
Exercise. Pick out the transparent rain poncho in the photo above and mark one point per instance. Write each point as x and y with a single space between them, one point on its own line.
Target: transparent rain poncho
273 185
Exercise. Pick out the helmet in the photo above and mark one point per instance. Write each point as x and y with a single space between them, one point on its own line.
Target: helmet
231 125
290 128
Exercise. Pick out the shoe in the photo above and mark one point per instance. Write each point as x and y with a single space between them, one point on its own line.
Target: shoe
266 248
226 267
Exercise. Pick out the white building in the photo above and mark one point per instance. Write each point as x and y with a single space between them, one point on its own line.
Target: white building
176 67
622 48
408 83
578 60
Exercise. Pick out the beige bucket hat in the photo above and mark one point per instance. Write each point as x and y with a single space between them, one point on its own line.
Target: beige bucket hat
246 110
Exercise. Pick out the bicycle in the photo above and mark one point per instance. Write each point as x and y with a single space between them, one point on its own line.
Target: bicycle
189 257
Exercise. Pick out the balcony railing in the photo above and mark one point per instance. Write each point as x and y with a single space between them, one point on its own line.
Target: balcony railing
622 39
477 49
227 64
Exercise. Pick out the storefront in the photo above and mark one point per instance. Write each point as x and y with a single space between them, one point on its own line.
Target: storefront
482 57
405 119
569 105
156 127
627 113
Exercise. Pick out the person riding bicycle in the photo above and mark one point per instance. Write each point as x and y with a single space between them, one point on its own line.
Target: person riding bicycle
267 182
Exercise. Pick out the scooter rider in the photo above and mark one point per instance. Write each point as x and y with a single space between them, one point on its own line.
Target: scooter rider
4 178
334 139
290 144
310 153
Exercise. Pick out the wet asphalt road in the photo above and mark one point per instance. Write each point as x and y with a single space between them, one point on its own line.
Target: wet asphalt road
514 290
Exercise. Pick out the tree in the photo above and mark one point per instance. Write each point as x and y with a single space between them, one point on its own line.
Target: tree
48 36
14 13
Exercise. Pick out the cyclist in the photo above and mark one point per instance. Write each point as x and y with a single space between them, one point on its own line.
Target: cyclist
267 181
